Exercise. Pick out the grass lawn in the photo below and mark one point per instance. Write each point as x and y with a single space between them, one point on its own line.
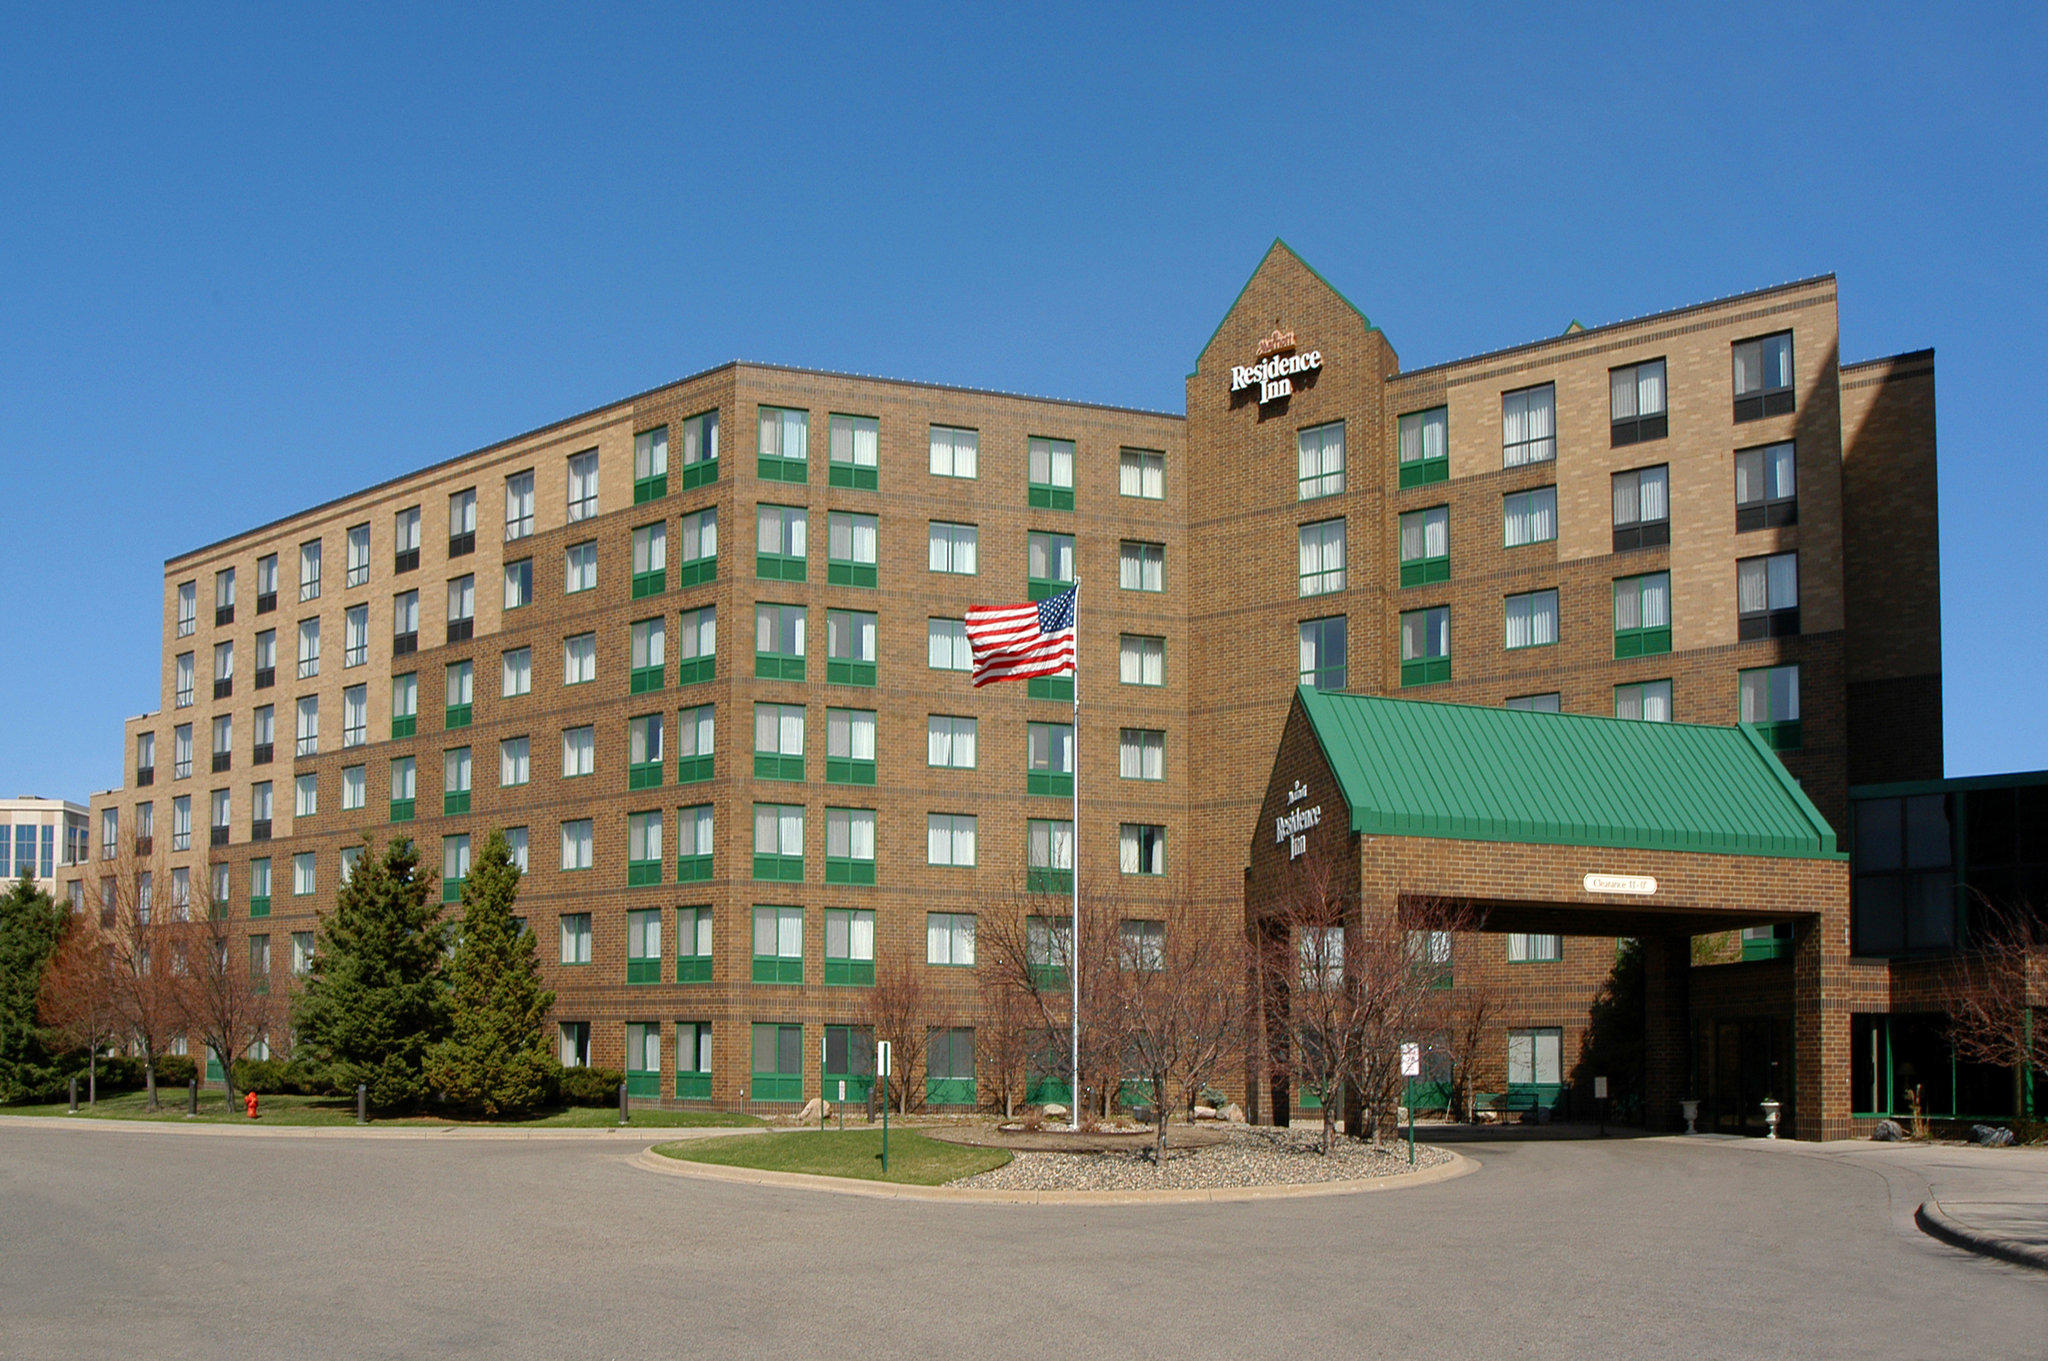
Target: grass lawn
914 1160
283 1109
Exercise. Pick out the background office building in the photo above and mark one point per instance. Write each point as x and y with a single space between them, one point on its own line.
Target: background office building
700 652
40 838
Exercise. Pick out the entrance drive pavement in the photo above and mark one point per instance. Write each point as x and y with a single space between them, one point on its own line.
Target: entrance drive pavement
176 1244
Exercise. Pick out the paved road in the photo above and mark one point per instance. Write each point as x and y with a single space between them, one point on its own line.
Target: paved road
119 1242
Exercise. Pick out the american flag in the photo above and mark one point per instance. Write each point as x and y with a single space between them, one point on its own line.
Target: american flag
1018 642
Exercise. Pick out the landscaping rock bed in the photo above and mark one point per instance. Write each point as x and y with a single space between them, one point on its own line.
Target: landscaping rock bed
1245 1157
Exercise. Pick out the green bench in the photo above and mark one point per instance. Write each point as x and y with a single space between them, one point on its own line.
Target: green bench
1505 1104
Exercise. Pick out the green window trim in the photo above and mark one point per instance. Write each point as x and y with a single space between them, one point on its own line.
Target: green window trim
259 906
649 583
1041 1091
1040 588
782 469
1047 976
1422 472
850 973
848 770
1049 782
1641 642
643 971
693 968
643 874
451 890
697 670
1774 948
699 474
697 572
853 475
1426 671
787 1087
646 679
692 1086
456 716
772 767
1045 496
1426 571
1048 881
850 673
401 810
949 1091
641 1083
1784 735
645 775
647 489
781 567
404 725
781 970
850 573
842 869
779 869
693 869
1050 687
694 769
778 666
454 803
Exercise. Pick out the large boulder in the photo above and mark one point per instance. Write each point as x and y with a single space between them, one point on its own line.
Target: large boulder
1053 1110
1888 1132
1991 1136
817 1108
1234 1113
1205 1113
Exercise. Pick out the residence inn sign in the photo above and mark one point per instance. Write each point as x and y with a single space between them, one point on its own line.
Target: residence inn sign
1274 373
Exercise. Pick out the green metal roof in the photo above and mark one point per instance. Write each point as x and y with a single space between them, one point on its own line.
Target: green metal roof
1412 768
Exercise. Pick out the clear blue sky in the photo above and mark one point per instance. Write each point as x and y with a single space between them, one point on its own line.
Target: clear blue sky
252 258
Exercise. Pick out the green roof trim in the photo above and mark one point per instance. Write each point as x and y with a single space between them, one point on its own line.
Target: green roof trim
1465 773
2014 779
1278 245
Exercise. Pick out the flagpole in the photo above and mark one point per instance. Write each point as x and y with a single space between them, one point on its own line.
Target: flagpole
1074 858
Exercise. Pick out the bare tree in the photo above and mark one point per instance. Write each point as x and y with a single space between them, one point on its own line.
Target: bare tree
77 998
1181 1004
900 1011
1007 1034
146 935
1028 946
1472 1016
1999 990
227 998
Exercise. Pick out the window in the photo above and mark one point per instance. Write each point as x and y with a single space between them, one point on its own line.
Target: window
949 939
643 859
515 761
223 669
700 548
405 623
405 705
455 773
266 583
181 752
697 646
516 673
355 716
1767 596
1642 615
582 485
1051 564
849 746
1647 701
266 659
850 549
949 1067
224 595
779 842
695 733
1528 949
1529 516
405 539
575 937
1766 487
950 839
650 560
778 945
1425 547
1051 473
954 548
355 636
1142 472
302 952
519 584
404 785
1141 945
461 608
1531 619
309 648
779 642
579 751
1635 403
1141 848
1763 377
784 452
1142 566
644 944
184 680
1140 660
349 856
1535 1057
518 505
580 568
849 947
260 809
1049 856
459 694
644 753
700 450
950 741
693 945
357 551
1424 438
462 523
1642 508
1528 426
1322 557
1322 653
302 874
1905 891
650 465
693 1060
1141 754
309 726
852 456
1049 758
1048 945
110 833
849 647
778 741
650 656
576 844
1537 704
516 847
1426 646
145 828
309 571
693 843
955 452
778 1062
145 759
1769 698
575 1045
579 659
1319 452
946 644
181 821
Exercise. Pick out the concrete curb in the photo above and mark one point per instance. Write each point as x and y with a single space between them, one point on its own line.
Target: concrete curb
613 1133
651 1161
1956 1234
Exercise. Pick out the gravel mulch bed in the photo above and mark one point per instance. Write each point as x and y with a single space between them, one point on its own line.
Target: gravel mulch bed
1249 1157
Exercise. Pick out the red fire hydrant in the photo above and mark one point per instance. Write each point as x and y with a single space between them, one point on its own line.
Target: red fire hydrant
249 1100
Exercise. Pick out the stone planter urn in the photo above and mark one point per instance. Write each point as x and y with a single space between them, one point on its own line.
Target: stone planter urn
1690 1109
1770 1109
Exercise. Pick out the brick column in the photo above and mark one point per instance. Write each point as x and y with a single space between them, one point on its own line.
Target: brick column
1820 1027
1667 1030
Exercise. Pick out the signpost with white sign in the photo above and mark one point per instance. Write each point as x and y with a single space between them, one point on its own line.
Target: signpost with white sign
882 1074
1411 1068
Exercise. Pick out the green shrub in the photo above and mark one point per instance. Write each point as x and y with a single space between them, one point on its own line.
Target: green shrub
591 1086
175 1070
279 1076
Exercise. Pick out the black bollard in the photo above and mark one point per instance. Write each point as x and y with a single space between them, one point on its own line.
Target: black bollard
192 1096
74 1096
625 1114
362 1103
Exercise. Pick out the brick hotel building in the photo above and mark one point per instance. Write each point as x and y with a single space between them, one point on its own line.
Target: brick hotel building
684 646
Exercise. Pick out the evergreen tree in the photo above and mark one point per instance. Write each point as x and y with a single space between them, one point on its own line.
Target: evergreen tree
31 925
375 1003
496 1058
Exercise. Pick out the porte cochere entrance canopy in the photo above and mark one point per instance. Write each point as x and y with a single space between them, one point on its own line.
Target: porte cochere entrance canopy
1571 825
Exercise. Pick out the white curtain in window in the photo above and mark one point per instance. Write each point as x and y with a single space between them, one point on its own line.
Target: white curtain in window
1655 503
1783 571
695 732
1751 591
1528 426
853 440
1532 619
850 734
700 535
1656 702
695 835
1778 471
